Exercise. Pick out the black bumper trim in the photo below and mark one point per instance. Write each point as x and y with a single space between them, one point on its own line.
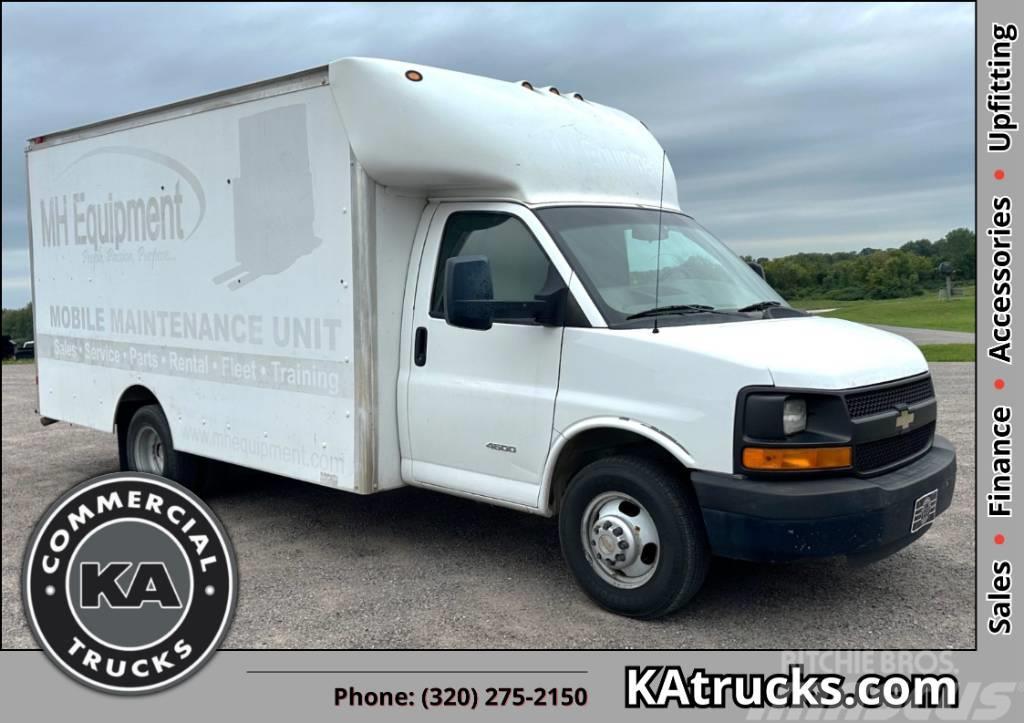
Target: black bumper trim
785 520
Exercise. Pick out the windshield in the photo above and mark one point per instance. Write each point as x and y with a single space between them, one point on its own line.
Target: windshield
615 251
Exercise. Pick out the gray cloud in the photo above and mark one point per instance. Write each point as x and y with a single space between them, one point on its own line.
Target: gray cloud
790 127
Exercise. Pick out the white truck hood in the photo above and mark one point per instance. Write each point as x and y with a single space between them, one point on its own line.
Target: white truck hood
684 380
810 352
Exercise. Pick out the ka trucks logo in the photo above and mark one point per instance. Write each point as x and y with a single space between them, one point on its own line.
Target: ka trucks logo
129 583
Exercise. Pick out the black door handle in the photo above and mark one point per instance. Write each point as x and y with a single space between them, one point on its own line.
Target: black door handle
420 349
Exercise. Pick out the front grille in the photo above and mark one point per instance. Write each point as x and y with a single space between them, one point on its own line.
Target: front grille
881 453
877 401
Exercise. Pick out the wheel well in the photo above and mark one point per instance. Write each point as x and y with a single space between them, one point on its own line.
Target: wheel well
595 444
131 400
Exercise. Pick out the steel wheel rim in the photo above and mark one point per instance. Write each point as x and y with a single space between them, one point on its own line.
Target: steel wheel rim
620 540
149 451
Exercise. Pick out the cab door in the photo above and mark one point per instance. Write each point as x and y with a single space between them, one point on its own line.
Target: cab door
480 403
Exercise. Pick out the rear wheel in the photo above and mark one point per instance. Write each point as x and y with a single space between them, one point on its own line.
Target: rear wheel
633 536
148 447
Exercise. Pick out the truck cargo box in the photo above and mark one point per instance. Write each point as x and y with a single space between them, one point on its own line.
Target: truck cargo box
218 254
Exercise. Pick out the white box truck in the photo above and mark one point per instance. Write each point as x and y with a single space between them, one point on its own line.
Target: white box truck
374 274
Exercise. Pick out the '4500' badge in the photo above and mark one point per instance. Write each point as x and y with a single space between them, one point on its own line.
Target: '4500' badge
129 583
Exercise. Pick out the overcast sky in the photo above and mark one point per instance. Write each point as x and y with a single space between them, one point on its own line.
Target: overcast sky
790 127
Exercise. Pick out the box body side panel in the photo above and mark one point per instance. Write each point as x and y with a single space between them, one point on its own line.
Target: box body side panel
204 259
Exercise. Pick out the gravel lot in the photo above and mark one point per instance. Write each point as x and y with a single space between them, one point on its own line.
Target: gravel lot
415 569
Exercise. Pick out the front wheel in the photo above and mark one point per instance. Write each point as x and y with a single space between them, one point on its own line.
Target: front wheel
633 536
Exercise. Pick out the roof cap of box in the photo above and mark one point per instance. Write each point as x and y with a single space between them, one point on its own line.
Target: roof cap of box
454 134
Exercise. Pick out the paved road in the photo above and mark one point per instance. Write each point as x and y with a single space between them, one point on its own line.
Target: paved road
415 569
929 336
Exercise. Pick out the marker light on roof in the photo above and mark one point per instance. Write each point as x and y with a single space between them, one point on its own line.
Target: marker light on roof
527 84
554 90
414 75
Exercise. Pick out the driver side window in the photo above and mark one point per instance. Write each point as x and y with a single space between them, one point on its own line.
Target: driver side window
519 267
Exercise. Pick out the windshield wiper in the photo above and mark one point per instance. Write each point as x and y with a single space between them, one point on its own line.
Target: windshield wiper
673 309
760 306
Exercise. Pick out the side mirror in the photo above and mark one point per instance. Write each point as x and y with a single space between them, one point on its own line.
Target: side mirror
468 292
758 269
469 297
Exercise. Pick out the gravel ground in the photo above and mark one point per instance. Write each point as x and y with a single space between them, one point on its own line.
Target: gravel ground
415 569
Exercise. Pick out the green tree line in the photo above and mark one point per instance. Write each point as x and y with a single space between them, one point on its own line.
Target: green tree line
870 273
17 323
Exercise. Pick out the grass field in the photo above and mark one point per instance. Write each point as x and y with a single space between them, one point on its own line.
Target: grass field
948 352
920 312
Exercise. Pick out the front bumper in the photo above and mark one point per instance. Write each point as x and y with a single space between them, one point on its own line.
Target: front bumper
787 520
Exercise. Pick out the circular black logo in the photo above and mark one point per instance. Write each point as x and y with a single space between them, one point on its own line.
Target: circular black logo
129 583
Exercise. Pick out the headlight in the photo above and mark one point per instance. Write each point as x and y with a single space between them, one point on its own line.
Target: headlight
794 415
791 431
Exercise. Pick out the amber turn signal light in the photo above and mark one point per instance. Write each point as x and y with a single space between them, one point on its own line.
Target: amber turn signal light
796 458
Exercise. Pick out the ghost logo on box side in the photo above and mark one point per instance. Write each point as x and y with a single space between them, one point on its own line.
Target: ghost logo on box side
273 196
166 203
130 583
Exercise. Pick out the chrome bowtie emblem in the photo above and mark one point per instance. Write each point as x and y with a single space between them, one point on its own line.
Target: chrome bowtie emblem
904 419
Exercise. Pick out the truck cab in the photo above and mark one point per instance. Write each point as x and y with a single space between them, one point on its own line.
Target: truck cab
664 410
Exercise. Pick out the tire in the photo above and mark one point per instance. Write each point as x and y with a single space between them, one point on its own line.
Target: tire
149 447
643 586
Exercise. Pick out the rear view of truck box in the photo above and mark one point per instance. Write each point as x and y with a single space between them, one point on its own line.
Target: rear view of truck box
202 255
